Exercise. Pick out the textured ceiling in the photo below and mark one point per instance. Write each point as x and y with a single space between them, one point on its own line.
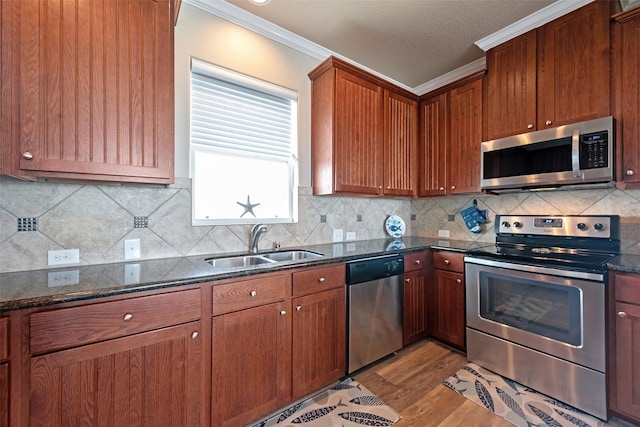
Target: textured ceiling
409 41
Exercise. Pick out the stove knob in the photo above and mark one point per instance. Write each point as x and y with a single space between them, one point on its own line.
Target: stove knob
598 226
582 226
517 224
505 224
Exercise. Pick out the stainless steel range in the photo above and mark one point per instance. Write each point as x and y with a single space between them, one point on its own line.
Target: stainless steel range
535 304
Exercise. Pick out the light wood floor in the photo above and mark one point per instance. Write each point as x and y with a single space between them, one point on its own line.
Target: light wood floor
411 383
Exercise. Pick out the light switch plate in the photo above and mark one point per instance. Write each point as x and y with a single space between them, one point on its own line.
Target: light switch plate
351 235
132 249
338 235
443 233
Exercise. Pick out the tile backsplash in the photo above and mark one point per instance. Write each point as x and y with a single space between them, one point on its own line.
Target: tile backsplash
96 219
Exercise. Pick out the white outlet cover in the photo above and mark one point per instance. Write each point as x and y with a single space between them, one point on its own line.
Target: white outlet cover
443 233
351 235
63 278
63 257
338 235
132 249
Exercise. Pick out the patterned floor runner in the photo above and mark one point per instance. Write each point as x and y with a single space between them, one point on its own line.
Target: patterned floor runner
347 404
519 405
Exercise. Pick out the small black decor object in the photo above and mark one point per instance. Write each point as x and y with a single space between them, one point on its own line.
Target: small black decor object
473 217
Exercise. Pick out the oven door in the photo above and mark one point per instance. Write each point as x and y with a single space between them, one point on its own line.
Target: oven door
539 307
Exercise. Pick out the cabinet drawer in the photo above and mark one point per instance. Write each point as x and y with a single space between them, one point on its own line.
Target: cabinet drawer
74 326
452 261
627 288
241 294
318 279
415 261
4 338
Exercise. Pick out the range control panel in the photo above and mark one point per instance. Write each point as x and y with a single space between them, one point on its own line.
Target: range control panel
570 225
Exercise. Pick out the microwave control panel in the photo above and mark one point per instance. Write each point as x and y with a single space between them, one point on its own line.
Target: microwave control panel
594 150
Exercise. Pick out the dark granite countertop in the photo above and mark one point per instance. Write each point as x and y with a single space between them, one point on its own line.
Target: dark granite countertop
26 289
628 263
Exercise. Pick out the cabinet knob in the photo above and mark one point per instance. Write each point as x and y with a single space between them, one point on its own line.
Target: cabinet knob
417 262
453 187
321 279
458 281
388 188
283 313
380 188
127 317
253 293
629 172
27 155
622 314
530 126
194 335
446 261
441 188
548 122
407 280
298 307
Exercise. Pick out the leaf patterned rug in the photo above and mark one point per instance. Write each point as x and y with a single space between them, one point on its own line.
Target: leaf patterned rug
519 405
347 404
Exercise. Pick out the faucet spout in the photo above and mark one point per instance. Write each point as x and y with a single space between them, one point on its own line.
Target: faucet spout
256 232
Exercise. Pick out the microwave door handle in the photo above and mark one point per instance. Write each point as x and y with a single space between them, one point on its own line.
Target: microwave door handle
575 153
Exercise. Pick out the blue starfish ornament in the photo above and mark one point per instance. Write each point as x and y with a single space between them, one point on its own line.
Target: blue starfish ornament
248 207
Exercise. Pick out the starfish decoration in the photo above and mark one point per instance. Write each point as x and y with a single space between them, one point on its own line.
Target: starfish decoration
248 207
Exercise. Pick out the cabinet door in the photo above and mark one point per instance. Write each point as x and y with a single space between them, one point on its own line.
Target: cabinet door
358 135
466 137
627 90
319 340
250 364
4 394
627 369
400 144
91 89
574 67
434 146
149 379
414 307
447 307
511 87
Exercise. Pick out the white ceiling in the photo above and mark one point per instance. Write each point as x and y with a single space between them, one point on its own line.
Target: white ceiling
410 42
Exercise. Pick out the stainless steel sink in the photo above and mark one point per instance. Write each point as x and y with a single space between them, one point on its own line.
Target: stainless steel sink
240 261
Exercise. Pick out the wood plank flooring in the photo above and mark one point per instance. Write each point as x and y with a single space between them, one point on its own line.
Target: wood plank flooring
411 383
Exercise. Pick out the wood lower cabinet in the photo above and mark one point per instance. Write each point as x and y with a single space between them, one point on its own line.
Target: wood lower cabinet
4 372
626 63
148 379
446 298
88 90
415 325
624 347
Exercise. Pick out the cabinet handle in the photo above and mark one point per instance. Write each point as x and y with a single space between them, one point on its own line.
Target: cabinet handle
458 281
446 261
194 335
629 172
27 155
283 313
127 317
530 126
253 293
298 307
548 122
321 279
417 262
622 314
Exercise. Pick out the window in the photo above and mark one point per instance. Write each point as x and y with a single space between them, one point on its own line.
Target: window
243 150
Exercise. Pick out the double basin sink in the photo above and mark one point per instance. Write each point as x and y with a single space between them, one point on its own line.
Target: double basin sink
249 260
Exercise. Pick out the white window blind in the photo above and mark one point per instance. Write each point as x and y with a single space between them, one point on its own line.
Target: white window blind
243 160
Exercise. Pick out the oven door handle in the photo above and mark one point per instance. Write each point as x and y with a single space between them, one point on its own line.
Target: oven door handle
596 277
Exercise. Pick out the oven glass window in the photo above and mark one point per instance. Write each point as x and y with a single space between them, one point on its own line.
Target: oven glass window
544 309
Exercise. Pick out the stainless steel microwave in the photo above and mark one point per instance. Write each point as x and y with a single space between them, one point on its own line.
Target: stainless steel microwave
575 154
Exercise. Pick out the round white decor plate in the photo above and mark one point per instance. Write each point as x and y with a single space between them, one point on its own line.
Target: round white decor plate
395 226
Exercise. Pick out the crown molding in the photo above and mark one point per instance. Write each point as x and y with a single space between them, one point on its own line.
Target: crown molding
450 77
535 20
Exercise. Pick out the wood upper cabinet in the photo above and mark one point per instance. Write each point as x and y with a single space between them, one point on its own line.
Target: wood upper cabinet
88 89
414 306
446 298
452 123
626 75
363 133
552 76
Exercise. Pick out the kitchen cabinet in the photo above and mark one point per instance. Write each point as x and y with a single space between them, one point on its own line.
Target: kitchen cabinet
451 133
555 75
88 90
4 372
319 328
446 297
624 347
363 133
415 297
99 368
626 63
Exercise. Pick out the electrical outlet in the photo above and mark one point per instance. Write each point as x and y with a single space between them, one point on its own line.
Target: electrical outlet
64 256
338 235
443 233
63 278
132 249
351 235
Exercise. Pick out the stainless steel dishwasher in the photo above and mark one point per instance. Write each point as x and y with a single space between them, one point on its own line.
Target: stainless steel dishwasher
374 323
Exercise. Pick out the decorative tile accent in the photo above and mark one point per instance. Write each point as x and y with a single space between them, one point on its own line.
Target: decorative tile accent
140 221
27 224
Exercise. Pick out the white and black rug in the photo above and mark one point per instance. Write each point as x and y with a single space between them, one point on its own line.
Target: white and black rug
519 405
347 404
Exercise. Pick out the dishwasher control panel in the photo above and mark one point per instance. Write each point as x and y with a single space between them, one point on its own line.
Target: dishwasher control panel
374 268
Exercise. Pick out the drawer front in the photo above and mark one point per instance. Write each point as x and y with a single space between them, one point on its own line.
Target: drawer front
4 338
415 261
314 280
74 326
627 288
241 294
452 261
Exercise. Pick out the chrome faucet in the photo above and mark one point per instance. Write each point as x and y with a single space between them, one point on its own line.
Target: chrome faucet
256 232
